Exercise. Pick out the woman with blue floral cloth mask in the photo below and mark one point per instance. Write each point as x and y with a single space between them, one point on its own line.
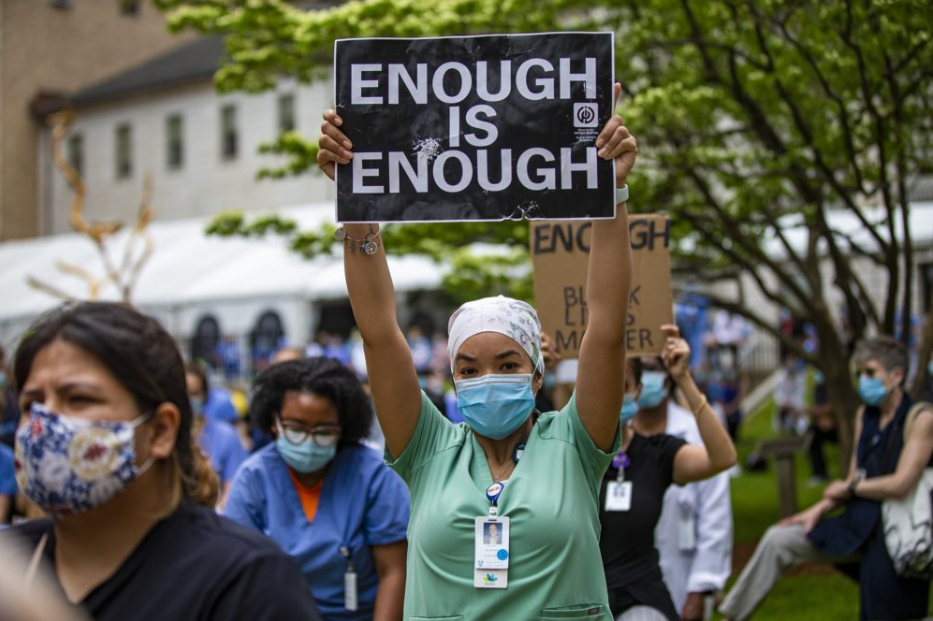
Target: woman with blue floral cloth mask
884 466
327 500
535 474
105 449
633 488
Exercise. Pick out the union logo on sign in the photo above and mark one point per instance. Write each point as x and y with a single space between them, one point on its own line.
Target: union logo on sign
585 115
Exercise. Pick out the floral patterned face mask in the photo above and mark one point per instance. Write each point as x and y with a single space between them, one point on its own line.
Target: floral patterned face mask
69 465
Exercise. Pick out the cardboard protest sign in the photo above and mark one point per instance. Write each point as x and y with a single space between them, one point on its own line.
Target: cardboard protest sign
475 128
559 254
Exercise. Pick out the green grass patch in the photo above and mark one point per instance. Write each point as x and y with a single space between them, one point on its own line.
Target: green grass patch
755 494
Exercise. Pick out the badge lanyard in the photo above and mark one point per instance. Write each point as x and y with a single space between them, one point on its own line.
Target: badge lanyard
491 538
350 599
619 492
621 461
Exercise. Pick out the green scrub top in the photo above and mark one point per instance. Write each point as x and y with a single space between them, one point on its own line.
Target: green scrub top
551 498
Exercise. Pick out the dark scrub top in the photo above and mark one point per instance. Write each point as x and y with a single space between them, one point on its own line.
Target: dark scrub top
194 565
858 529
630 560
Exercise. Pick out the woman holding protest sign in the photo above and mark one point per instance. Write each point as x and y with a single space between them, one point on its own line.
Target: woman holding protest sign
634 486
535 475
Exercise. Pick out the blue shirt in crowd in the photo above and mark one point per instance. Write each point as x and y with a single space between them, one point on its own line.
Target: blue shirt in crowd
220 406
362 504
7 472
222 445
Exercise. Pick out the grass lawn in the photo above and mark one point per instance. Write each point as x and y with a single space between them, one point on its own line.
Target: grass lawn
812 592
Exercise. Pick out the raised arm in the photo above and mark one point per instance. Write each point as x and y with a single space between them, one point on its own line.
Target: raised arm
609 274
392 376
694 463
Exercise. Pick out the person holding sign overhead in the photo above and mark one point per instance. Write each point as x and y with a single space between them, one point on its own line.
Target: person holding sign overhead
633 488
535 475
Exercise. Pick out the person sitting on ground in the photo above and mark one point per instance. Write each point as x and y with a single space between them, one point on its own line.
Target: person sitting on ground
105 448
633 488
219 441
326 499
883 466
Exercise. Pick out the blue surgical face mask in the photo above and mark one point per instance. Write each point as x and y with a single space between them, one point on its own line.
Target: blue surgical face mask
653 390
629 408
306 456
495 405
930 368
197 405
872 390
2 380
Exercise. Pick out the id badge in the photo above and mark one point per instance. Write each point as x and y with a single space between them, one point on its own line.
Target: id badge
686 532
350 601
619 496
491 543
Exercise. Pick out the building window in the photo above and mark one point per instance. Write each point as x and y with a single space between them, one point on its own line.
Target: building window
266 338
229 136
286 113
174 142
124 151
60 4
129 7
76 153
205 345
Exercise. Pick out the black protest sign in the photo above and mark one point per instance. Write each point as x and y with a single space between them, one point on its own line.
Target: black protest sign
559 254
475 128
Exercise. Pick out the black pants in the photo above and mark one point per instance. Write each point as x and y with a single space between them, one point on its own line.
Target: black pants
817 459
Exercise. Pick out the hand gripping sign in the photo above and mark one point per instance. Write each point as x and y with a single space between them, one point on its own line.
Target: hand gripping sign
475 128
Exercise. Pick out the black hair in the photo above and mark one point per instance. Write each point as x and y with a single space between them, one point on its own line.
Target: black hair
142 356
637 368
199 370
324 377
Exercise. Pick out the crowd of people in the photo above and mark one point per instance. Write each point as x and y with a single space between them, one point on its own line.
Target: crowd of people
607 501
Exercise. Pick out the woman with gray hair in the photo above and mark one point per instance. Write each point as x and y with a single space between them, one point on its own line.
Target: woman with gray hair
536 476
885 465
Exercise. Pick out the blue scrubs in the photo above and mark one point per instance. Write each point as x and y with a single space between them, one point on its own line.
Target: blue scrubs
222 445
7 472
220 406
362 504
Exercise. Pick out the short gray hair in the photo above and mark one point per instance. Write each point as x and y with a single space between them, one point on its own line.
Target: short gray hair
887 350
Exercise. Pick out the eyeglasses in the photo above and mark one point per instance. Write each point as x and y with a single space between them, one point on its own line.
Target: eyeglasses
324 436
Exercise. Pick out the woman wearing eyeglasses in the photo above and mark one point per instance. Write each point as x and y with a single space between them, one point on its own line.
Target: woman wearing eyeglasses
328 501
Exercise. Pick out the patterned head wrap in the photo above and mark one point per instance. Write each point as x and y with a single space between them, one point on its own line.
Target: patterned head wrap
513 318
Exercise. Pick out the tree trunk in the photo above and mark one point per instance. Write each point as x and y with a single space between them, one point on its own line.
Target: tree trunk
834 362
926 349
845 405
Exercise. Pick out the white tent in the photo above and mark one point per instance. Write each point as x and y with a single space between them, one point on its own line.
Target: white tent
190 273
